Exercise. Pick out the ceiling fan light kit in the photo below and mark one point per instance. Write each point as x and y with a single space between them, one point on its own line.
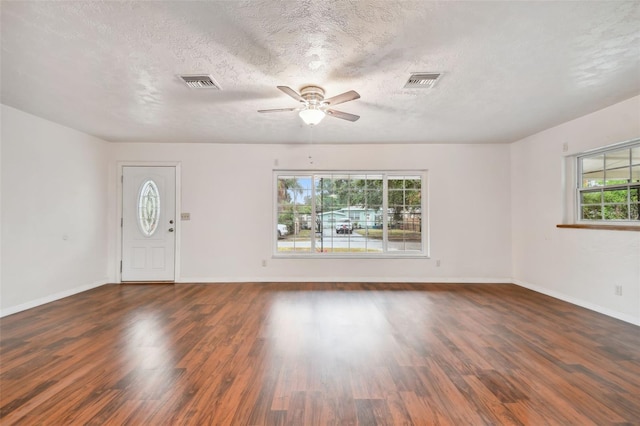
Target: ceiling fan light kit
314 106
312 115
312 112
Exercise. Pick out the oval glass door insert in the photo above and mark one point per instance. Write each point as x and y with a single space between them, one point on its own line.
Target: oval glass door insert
148 207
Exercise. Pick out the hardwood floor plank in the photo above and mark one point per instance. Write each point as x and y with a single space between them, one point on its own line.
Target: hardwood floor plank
24 398
397 410
373 412
501 386
317 354
425 411
494 411
295 413
406 379
120 416
447 396
524 412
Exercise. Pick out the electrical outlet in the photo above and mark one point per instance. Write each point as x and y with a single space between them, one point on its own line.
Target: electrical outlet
438 263
618 290
565 147
264 262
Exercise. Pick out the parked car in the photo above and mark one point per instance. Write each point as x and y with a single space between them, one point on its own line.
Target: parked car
283 231
344 227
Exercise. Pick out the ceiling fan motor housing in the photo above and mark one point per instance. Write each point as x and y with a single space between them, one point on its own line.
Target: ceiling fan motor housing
313 95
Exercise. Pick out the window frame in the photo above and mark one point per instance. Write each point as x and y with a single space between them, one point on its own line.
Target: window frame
423 253
629 186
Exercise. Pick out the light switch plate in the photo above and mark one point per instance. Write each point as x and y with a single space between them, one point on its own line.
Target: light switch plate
185 216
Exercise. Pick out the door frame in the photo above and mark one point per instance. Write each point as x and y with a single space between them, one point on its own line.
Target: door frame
119 170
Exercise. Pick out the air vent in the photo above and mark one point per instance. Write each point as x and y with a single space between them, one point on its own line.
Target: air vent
200 82
423 80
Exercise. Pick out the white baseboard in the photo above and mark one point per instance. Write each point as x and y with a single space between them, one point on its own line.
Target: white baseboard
289 279
579 302
50 298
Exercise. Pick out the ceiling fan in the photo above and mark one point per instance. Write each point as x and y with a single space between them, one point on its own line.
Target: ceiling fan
314 106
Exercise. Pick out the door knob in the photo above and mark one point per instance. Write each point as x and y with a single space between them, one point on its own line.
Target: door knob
170 229
171 222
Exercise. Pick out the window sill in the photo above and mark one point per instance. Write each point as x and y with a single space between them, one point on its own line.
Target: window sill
602 227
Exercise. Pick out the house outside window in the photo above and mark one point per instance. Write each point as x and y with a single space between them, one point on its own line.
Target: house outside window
342 213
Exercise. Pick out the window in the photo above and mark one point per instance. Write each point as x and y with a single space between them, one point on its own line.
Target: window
350 213
148 208
609 184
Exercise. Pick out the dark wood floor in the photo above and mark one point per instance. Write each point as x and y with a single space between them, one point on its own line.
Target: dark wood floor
317 354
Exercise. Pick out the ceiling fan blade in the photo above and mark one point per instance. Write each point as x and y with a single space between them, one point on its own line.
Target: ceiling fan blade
289 91
351 95
343 115
278 110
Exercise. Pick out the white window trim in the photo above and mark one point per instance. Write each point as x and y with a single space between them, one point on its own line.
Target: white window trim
424 253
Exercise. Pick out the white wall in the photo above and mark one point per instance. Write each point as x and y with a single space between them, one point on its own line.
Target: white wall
577 265
493 212
228 190
54 211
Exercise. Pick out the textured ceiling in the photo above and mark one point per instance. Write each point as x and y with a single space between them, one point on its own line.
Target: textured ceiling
510 69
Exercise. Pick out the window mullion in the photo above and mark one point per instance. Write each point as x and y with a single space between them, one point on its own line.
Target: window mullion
385 213
579 186
629 184
314 223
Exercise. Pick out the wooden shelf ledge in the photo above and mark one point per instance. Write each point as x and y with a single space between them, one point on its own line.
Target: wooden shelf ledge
634 228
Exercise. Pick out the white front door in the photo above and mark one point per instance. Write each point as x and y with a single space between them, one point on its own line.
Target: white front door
148 223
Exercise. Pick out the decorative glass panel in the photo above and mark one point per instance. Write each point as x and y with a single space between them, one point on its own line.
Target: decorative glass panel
149 208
